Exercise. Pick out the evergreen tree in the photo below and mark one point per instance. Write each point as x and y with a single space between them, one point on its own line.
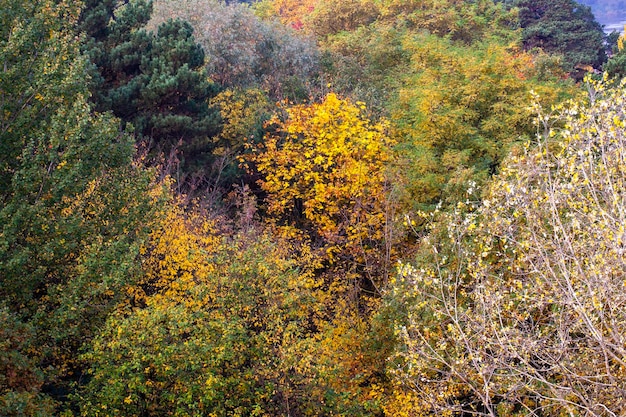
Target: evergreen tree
616 65
563 27
155 81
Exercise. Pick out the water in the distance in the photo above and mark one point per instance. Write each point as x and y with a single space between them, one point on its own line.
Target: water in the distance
614 27
610 13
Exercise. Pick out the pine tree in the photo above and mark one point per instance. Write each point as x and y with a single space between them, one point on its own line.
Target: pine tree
563 27
154 81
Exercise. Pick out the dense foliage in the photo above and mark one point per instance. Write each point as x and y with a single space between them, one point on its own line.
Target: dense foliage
616 66
154 81
565 27
520 310
74 203
243 51
310 208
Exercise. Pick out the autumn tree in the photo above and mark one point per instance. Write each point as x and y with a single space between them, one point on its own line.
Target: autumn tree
244 113
459 20
331 17
218 325
366 64
458 112
368 61
324 175
33 86
291 12
243 51
523 313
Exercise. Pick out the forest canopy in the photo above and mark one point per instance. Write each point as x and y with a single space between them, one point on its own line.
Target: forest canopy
311 208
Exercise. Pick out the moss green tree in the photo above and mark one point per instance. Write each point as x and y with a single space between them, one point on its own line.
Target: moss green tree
458 20
458 113
74 204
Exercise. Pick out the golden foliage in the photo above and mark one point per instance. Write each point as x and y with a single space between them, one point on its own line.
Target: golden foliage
241 112
458 20
176 257
458 113
519 309
293 12
324 173
331 17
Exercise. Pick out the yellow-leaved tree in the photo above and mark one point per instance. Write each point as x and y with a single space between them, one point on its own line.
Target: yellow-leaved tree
291 12
523 314
323 170
223 325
